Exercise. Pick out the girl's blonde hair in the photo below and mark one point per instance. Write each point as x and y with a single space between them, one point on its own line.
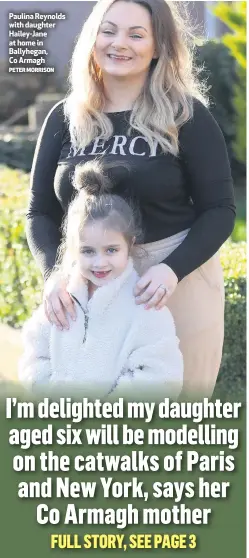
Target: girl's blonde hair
94 202
166 101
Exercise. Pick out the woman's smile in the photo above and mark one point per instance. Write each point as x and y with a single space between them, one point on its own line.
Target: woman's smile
119 57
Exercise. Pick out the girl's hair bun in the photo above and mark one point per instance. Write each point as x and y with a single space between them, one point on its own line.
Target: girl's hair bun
97 179
91 178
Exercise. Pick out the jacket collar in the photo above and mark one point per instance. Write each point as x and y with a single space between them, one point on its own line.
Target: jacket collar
103 296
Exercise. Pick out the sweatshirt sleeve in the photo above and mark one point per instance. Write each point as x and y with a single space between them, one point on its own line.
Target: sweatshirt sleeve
44 214
210 187
156 364
35 366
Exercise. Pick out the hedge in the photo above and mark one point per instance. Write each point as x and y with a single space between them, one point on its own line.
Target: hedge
218 70
17 150
232 376
21 283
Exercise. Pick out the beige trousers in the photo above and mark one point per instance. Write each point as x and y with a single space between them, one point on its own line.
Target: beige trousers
197 306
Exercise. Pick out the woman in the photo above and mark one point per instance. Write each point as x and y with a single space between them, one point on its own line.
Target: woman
134 98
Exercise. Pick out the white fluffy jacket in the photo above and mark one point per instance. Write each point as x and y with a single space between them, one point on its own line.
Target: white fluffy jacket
112 345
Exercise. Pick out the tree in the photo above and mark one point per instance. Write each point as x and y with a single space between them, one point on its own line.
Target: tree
233 14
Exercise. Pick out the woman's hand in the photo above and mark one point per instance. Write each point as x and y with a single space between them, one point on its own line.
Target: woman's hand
57 301
156 286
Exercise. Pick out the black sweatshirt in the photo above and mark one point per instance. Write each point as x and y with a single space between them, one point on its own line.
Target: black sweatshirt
193 190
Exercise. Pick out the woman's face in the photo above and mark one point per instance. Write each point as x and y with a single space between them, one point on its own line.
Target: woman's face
125 44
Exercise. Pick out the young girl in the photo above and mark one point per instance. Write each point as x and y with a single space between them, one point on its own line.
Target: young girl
113 344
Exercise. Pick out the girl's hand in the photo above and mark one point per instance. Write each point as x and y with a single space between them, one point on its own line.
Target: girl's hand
57 301
156 286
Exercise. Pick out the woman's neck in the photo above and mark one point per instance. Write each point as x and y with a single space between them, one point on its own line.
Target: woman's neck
122 93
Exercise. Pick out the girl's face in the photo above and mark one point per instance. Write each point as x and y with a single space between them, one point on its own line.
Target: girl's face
125 44
103 253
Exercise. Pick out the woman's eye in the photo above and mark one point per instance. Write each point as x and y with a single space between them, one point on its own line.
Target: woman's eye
136 36
112 250
106 32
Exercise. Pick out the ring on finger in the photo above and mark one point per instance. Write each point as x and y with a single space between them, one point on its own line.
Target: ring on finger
164 288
